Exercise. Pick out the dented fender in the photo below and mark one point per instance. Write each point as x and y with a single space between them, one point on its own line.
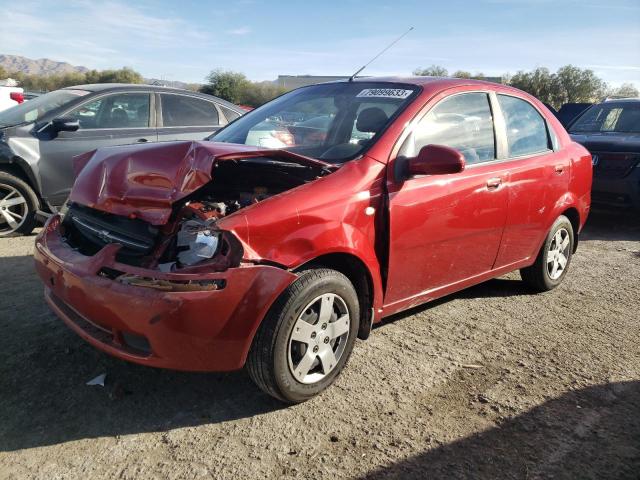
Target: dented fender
316 219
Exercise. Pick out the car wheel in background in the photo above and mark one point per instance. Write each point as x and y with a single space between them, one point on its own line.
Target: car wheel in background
554 257
18 205
307 337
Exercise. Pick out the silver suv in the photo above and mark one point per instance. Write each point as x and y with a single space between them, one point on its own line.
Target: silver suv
39 138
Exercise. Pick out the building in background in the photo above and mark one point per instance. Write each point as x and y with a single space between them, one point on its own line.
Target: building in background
295 81
289 82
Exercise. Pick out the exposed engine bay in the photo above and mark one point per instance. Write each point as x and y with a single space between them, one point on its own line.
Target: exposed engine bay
190 241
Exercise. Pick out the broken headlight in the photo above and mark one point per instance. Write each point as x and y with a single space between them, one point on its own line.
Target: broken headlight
197 241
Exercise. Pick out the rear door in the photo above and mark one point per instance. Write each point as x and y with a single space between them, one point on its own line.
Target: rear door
110 119
539 178
187 117
445 229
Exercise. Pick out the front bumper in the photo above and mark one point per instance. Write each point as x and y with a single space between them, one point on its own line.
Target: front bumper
618 192
208 330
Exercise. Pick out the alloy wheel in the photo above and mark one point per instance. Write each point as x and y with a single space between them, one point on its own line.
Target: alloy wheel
558 254
318 338
13 209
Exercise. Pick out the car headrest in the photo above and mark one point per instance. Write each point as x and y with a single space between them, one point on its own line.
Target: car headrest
119 118
371 119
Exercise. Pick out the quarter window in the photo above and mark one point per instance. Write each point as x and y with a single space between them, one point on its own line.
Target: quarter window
183 111
230 114
526 129
463 122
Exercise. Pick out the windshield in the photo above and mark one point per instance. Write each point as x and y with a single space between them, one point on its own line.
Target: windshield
609 117
34 110
333 122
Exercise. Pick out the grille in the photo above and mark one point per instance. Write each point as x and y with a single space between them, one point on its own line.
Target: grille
615 165
89 230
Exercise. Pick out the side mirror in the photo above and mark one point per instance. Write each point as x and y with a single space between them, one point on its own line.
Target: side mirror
436 160
65 124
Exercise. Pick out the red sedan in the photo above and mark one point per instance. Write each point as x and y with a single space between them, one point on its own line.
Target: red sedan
387 194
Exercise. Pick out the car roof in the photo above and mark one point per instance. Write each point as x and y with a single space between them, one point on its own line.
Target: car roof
114 87
425 80
621 100
435 84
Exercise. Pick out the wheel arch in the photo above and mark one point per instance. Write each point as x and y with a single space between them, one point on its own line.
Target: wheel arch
568 206
574 217
20 169
359 274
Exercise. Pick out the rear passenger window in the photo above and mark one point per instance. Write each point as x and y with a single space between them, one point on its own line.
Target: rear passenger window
463 122
526 129
183 111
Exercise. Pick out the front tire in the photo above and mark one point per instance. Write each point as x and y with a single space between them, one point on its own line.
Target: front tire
553 260
307 337
18 205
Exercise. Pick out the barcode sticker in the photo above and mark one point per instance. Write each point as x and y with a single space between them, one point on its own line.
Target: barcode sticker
385 93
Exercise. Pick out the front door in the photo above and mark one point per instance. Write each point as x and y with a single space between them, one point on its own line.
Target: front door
112 119
445 229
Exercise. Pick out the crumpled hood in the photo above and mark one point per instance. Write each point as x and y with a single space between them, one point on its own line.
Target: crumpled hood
144 181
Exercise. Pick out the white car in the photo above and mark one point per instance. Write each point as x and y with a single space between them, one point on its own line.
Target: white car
10 94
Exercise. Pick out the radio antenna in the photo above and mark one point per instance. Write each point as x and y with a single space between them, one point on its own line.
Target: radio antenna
384 50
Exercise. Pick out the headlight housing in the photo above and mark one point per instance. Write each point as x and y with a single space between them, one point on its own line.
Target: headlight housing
197 241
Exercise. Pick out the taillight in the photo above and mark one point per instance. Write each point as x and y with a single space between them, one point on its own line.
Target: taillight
284 137
17 96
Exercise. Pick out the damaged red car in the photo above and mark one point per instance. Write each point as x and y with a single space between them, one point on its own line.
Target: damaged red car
300 225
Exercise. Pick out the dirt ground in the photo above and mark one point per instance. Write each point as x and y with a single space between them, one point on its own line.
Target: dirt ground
494 382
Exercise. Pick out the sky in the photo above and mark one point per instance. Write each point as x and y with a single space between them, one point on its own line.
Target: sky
186 40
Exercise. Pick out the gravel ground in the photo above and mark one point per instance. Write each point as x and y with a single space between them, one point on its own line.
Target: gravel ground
494 382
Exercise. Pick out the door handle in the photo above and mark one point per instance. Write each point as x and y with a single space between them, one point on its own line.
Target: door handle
494 183
142 140
559 169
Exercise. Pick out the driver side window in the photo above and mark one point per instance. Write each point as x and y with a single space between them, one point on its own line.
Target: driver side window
463 122
125 110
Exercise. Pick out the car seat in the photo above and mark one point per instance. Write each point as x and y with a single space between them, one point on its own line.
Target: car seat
118 118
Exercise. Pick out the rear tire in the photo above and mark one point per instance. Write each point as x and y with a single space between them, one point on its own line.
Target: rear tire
305 340
18 205
553 260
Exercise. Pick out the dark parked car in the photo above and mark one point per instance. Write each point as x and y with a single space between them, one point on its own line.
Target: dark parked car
570 111
611 132
212 255
39 138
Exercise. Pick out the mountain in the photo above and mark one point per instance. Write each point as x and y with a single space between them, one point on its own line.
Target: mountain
45 66
42 66
172 83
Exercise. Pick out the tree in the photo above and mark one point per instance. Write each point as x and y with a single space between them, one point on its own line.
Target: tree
124 75
461 74
194 87
626 90
230 86
3 73
236 88
432 71
47 83
574 85
256 94
568 85
538 83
